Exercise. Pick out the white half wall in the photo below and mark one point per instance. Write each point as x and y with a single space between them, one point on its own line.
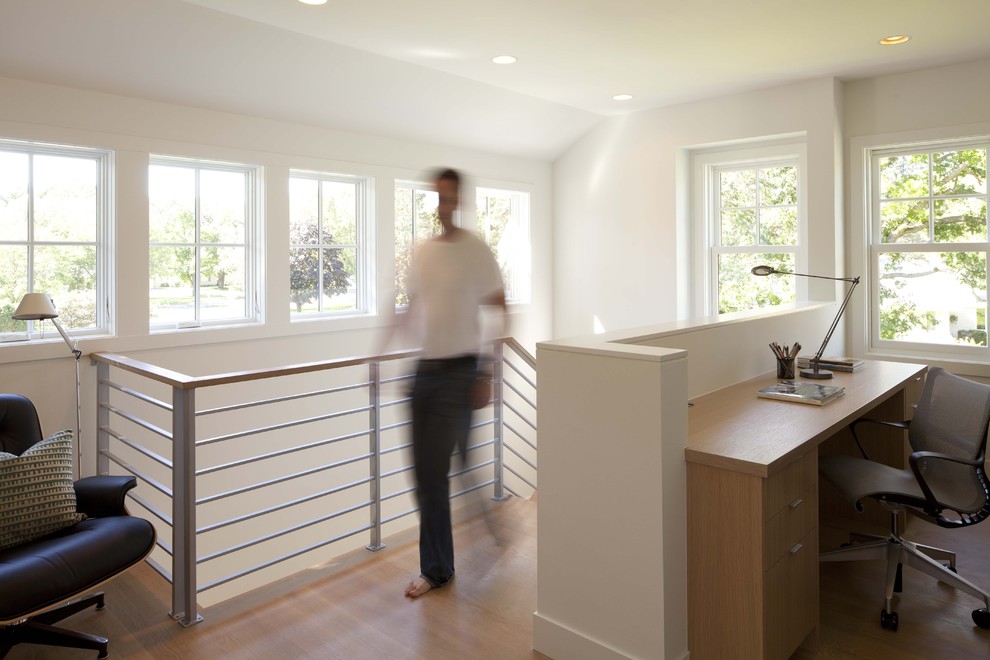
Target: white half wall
612 548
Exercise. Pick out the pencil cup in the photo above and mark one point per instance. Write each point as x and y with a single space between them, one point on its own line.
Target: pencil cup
785 368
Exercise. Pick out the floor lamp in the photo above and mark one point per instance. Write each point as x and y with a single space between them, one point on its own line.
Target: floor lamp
37 307
815 371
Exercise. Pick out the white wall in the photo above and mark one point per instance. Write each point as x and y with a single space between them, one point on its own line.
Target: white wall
136 128
954 95
621 239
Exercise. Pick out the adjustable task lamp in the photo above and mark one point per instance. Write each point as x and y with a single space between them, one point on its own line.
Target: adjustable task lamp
815 371
38 307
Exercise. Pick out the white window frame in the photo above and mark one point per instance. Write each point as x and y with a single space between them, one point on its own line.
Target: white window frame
872 228
103 247
253 243
414 186
520 292
706 165
365 285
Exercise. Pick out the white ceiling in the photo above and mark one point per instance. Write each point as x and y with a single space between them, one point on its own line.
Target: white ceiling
582 52
421 69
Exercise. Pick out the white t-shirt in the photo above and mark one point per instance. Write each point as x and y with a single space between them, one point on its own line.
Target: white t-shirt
448 280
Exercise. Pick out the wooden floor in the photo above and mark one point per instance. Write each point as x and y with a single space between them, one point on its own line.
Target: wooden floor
486 613
934 619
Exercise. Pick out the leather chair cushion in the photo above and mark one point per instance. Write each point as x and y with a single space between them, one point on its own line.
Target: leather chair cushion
56 568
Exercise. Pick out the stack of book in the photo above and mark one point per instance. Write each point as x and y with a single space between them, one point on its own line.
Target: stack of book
810 393
831 363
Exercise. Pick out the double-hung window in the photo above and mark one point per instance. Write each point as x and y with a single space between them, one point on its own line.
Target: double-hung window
55 213
503 221
329 259
203 243
416 219
752 212
928 247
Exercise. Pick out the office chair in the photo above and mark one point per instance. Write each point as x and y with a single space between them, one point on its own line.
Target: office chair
946 484
44 571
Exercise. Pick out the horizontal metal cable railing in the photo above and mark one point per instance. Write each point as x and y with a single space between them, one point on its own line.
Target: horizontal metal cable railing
248 475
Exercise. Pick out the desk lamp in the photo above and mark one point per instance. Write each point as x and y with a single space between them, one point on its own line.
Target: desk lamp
38 307
815 371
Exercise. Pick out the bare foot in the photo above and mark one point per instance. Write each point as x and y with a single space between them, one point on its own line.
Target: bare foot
417 588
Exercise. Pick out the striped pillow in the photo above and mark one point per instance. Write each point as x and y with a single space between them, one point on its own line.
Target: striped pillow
36 493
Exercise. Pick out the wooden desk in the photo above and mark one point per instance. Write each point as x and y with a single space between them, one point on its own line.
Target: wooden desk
752 505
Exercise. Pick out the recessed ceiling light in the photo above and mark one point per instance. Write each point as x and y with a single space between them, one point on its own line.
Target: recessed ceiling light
504 59
894 40
313 2
622 97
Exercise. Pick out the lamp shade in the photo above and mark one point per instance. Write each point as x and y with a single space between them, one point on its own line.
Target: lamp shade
34 307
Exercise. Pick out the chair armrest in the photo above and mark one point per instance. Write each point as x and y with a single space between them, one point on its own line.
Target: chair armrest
103 495
905 425
933 508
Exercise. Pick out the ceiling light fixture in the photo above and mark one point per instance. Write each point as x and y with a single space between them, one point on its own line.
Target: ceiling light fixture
504 59
313 2
894 40
622 97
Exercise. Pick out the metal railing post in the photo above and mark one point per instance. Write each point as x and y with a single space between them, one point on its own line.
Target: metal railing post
497 465
102 418
375 440
184 585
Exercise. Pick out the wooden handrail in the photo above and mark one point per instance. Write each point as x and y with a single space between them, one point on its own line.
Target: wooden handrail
185 382
160 374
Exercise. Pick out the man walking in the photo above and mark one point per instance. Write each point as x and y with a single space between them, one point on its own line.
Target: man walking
451 277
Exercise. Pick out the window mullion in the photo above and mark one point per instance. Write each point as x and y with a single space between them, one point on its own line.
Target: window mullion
931 198
319 246
30 227
197 250
758 239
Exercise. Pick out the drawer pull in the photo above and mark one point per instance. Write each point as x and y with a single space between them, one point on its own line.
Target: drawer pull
796 503
796 549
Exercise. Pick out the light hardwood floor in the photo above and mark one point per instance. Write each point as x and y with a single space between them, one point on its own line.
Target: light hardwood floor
486 613
935 619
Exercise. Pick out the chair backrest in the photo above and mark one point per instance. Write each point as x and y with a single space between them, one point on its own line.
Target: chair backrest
20 428
953 417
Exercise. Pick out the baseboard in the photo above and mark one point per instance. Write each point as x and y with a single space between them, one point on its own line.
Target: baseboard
555 640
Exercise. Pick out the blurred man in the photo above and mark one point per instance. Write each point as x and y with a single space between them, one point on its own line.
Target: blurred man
451 277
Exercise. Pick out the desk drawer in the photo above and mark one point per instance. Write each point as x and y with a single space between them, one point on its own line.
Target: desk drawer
789 526
792 598
789 484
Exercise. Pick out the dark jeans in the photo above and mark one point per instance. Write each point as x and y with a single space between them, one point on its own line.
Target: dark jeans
441 422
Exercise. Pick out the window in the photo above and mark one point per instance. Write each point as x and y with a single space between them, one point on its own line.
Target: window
328 256
202 224
928 246
754 219
416 219
750 209
503 221
54 223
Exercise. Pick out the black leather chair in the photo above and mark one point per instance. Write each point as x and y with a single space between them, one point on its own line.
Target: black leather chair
40 578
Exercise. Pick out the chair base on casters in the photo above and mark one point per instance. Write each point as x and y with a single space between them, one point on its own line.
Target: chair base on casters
898 551
39 629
